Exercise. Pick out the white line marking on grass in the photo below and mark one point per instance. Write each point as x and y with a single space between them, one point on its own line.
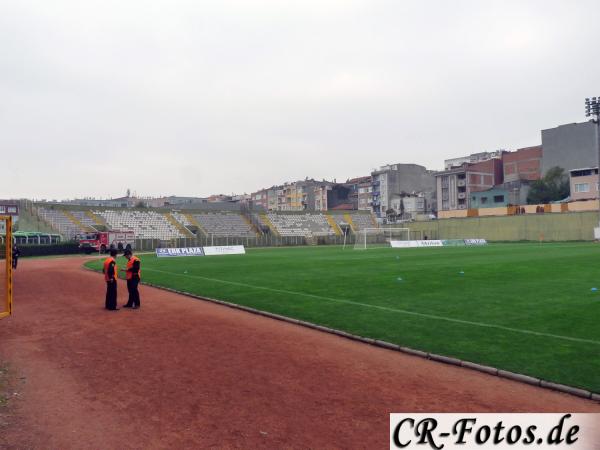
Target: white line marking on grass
383 308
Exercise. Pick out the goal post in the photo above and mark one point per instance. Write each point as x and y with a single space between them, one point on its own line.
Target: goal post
5 266
379 237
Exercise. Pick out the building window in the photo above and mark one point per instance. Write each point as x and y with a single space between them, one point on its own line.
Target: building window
498 198
582 187
473 198
483 200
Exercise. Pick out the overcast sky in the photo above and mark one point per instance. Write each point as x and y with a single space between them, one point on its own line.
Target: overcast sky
202 97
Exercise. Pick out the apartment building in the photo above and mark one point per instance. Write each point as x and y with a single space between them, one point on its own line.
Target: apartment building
333 196
454 186
570 146
520 168
409 206
471 159
365 195
265 198
396 179
522 164
584 183
357 186
297 196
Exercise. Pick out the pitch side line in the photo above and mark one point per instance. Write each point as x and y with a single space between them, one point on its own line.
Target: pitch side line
384 308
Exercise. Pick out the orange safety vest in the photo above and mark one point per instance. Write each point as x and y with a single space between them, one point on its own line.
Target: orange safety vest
107 262
129 273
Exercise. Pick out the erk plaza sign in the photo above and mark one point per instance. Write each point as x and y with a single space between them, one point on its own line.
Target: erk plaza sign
201 251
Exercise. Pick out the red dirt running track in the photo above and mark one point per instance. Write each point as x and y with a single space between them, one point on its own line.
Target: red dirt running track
182 373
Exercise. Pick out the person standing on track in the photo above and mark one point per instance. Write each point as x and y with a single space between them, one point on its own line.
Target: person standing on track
110 276
15 256
133 275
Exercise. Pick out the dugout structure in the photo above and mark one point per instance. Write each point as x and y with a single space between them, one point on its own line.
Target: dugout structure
6 266
379 237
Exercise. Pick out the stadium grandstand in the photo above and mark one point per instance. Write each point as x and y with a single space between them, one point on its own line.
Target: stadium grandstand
145 224
355 221
167 226
62 221
307 225
225 224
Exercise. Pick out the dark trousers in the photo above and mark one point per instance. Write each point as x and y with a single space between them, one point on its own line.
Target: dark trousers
111 295
134 294
15 261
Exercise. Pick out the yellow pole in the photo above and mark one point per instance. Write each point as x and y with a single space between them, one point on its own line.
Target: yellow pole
7 310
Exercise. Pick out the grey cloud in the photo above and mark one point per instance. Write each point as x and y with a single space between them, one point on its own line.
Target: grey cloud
201 97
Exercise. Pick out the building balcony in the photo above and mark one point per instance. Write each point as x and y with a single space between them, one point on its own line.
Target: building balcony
461 183
462 195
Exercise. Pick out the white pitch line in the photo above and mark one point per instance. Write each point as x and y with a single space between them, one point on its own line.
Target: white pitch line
384 308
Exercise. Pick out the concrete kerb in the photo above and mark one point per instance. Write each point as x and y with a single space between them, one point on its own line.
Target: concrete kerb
568 389
445 359
480 368
521 378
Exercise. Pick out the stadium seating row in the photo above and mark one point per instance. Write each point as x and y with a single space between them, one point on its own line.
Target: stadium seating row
58 220
225 224
145 224
151 224
301 224
357 221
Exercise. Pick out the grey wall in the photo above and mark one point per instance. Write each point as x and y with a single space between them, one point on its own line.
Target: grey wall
575 226
572 146
411 178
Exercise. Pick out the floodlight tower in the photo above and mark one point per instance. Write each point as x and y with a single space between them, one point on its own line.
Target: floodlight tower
592 108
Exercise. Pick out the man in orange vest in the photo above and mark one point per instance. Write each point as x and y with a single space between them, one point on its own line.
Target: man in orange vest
110 276
133 275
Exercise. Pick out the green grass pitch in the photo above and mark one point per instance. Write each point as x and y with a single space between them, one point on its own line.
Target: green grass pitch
527 308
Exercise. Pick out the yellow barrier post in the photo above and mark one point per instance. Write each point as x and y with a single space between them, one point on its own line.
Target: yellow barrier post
6 305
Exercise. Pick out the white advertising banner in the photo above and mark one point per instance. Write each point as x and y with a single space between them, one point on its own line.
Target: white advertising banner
185 251
475 242
494 431
413 244
225 250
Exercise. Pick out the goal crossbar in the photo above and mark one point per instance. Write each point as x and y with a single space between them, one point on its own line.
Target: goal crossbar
380 237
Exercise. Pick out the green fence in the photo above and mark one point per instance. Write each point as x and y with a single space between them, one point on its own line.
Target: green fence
64 248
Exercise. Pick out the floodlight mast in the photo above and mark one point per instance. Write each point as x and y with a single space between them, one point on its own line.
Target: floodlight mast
592 108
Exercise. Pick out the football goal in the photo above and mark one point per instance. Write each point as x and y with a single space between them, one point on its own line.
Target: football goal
379 237
5 266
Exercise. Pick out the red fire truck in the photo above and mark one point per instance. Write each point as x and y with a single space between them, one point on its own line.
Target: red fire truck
102 241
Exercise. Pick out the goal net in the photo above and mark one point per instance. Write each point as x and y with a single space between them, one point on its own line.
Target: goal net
5 266
379 237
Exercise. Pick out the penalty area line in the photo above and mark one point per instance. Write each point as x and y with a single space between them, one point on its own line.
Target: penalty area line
384 308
